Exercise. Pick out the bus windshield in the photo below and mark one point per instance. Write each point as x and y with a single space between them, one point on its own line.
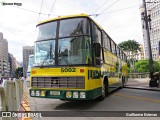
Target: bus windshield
30 62
72 46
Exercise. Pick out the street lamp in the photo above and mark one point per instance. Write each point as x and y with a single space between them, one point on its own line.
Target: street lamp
147 19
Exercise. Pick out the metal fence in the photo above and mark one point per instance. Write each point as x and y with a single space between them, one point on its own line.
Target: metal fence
138 75
11 93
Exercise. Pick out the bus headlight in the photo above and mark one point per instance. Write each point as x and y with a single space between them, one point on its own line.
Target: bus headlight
75 94
68 94
37 93
42 93
32 93
82 95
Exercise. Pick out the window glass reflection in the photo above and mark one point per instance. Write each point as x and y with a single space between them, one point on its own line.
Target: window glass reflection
46 31
75 50
30 63
72 27
45 53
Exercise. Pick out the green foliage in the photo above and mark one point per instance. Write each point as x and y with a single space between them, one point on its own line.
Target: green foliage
143 66
156 66
19 72
130 45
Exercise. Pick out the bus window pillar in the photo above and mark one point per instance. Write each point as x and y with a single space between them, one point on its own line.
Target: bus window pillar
97 51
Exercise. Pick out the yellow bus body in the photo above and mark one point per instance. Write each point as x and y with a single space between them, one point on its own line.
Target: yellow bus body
114 69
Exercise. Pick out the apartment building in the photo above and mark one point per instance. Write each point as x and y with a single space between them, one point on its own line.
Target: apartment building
4 64
27 50
140 54
154 8
137 56
12 61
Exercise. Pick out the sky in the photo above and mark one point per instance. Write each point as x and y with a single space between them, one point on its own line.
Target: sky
119 18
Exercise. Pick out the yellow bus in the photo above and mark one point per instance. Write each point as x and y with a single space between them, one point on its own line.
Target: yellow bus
75 59
30 65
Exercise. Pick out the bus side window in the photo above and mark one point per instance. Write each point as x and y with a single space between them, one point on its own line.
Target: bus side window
121 54
124 57
113 47
118 51
96 34
106 42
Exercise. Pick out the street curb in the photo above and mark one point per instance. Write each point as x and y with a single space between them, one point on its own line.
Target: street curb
143 88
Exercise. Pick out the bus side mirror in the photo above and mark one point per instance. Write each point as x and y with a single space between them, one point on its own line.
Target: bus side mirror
97 49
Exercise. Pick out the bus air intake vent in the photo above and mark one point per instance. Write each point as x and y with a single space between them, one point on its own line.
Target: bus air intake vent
58 82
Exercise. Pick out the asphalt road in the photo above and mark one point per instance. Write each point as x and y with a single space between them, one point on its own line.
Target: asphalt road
119 100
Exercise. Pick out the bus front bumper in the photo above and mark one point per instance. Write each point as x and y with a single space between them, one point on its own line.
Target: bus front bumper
66 94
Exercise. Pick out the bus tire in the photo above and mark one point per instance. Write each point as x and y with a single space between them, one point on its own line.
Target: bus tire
104 92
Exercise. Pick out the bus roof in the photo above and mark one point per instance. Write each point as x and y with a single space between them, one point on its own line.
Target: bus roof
74 16
70 16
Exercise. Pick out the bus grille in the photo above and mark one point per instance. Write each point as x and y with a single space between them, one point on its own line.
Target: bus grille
58 82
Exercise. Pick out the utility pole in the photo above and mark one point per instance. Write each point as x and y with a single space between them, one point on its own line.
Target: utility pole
151 66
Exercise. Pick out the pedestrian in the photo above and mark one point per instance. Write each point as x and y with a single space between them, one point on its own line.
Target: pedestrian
3 81
0 80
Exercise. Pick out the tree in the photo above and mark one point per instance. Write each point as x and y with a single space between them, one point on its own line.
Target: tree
143 66
19 72
130 47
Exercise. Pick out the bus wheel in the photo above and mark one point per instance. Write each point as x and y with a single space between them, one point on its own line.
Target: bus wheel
104 92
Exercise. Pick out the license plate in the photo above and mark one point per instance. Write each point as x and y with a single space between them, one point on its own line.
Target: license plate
54 92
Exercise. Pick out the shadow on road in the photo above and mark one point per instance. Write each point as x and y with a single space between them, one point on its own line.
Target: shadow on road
76 105
82 105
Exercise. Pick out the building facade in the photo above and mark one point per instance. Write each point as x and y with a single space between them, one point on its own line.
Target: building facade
27 50
154 8
4 64
140 54
136 56
12 61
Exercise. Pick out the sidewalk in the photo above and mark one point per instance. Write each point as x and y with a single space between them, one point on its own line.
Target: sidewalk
140 83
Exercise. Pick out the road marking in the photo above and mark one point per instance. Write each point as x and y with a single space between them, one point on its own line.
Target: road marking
137 97
25 102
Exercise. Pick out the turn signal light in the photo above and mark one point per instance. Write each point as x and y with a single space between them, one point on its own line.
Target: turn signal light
33 72
81 70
